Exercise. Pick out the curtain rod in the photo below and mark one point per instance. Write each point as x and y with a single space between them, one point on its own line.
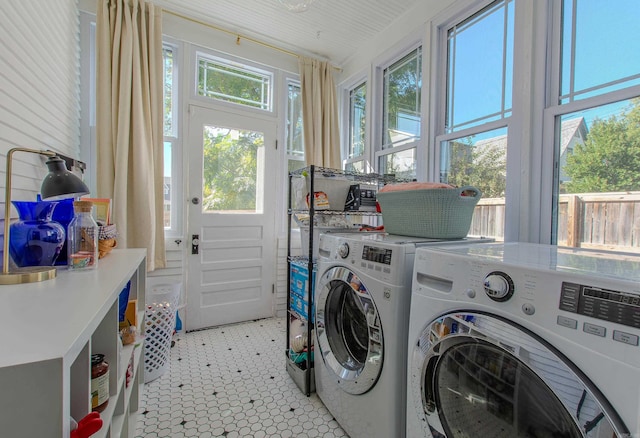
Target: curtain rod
237 35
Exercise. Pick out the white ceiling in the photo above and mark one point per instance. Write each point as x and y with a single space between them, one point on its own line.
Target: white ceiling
329 29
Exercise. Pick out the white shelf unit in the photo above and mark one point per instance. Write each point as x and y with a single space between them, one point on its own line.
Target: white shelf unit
51 328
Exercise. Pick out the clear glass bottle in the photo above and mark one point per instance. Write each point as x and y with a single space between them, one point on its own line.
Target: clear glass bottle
82 238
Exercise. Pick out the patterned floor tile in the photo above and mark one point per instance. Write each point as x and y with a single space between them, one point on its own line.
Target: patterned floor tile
231 381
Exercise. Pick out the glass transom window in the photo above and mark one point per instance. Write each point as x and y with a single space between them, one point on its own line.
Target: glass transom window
239 84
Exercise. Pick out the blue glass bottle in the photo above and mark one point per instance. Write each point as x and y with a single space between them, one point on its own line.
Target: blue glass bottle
35 240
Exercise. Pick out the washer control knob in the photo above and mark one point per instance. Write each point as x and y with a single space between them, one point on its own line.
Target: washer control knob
343 250
528 309
471 293
498 286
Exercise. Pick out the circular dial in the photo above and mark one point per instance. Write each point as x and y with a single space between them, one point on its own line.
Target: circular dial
498 286
343 250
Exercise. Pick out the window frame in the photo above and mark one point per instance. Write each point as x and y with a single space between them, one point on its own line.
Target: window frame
177 208
346 89
519 125
289 81
553 110
376 102
236 62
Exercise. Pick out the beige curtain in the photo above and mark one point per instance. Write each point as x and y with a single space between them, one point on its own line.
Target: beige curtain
129 114
319 114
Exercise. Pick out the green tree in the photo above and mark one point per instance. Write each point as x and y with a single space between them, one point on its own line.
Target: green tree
230 169
609 159
403 86
482 167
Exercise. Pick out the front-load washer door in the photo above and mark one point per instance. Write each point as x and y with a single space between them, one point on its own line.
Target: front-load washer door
349 331
475 375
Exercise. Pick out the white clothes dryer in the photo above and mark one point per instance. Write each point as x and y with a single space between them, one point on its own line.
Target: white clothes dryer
363 293
524 340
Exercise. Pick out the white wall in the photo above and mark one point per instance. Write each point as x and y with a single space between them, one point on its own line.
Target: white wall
39 97
410 22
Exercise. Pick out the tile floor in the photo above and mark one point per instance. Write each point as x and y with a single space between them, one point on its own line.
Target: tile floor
231 381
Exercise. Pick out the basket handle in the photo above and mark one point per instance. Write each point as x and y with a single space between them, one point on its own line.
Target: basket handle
468 189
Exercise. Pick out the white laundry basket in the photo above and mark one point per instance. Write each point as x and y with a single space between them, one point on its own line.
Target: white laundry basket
160 321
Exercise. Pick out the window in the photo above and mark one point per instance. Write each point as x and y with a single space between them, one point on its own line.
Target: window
595 111
171 149
593 60
479 67
357 128
294 135
402 95
474 132
238 84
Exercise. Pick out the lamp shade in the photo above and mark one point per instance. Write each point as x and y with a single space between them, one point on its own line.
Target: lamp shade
60 183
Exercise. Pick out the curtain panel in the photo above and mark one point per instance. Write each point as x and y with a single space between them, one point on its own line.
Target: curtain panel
129 117
319 113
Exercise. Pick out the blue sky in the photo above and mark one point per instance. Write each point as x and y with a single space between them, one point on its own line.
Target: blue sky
607 49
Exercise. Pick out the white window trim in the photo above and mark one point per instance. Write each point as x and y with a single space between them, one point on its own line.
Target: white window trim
545 162
241 63
283 100
345 89
522 210
177 170
549 153
403 48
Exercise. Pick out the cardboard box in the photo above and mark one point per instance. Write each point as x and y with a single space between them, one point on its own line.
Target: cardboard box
130 315
299 286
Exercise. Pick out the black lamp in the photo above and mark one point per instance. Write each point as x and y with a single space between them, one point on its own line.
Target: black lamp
58 184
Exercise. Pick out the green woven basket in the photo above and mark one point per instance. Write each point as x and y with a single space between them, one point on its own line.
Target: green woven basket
431 213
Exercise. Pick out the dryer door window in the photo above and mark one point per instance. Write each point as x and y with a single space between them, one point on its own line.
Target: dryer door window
475 389
348 330
480 375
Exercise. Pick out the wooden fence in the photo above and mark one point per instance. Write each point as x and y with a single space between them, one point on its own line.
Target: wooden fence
589 220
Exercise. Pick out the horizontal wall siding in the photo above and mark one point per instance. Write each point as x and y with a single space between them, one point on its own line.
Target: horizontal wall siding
39 96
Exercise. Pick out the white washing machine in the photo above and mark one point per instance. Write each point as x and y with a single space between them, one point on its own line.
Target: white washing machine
524 340
363 292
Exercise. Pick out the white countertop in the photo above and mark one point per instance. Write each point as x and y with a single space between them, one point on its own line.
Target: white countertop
54 319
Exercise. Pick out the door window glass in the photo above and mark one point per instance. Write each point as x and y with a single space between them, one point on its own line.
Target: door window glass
232 170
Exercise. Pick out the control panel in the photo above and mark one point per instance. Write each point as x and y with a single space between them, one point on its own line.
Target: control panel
608 305
376 254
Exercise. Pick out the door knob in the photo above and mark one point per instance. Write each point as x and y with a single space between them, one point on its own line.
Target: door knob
195 201
195 244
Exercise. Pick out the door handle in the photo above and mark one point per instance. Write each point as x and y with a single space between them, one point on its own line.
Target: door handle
195 243
195 201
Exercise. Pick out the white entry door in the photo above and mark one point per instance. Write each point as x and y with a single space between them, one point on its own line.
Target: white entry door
231 254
